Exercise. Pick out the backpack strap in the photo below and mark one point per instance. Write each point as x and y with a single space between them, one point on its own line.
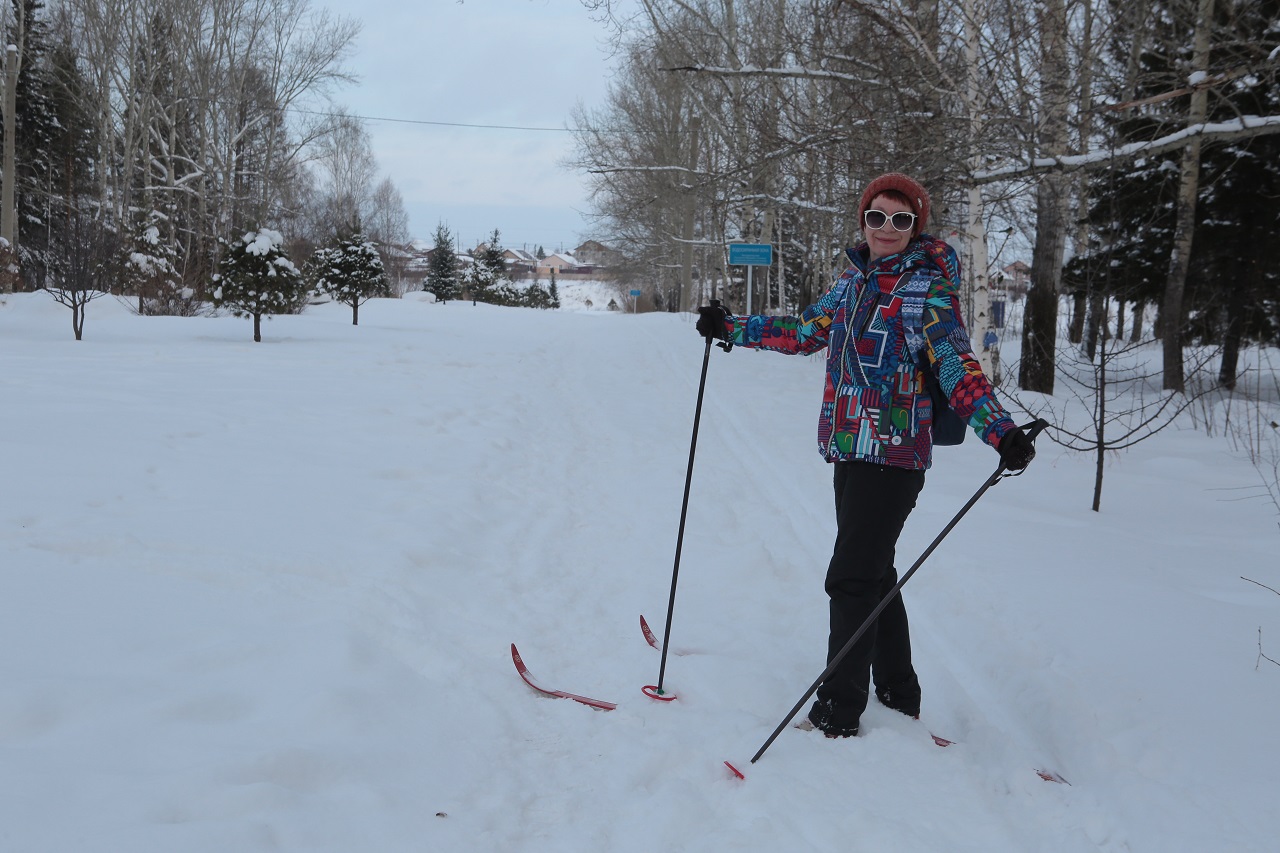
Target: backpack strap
913 296
944 260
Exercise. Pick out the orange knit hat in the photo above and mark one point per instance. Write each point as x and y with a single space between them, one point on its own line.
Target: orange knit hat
916 194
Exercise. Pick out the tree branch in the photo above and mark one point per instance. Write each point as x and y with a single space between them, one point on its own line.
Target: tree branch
1263 585
1245 127
1261 655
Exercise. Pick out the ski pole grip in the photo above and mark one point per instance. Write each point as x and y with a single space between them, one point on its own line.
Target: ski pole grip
1036 427
724 345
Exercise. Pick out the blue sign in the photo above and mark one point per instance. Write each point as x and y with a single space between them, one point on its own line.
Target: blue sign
751 254
635 293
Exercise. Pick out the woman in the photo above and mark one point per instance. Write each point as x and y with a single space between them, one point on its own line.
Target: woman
875 425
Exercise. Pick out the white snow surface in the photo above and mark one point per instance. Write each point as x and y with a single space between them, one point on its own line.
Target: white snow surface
262 597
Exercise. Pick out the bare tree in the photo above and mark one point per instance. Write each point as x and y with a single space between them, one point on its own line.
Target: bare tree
387 224
345 158
1116 399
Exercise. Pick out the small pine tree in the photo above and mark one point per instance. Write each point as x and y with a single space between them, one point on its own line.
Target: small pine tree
256 278
351 272
555 291
536 296
488 277
150 268
444 278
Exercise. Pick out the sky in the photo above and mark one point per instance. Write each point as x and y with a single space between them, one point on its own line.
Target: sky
263 597
514 63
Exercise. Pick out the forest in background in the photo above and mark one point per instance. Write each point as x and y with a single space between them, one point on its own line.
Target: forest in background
148 135
1127 146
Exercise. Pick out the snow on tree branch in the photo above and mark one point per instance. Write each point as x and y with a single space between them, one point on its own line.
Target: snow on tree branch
794 72
1241 128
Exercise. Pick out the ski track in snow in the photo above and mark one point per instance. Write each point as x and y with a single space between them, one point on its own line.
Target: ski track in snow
261 596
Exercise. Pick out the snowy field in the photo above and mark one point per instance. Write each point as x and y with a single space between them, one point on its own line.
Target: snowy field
261 597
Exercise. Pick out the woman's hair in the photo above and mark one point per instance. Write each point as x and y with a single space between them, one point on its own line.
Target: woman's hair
897 195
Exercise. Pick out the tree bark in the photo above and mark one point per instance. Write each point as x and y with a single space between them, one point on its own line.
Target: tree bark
1079 307
1236 301
687 301
8 197
1040 328
1179 260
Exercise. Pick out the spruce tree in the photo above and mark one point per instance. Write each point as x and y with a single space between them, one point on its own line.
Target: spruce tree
149 267
351 272
256 278
488 278
443 276
1232 287
36 126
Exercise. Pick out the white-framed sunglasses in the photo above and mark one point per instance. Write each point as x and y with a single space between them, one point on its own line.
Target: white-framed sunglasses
901 221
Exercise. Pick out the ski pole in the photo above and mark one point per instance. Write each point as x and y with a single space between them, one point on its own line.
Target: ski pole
1033 429
656 691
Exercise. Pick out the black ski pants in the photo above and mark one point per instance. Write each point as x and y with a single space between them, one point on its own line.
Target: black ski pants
872 505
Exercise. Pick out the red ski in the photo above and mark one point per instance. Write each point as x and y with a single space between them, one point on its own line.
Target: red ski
559 694
1046 775
648 635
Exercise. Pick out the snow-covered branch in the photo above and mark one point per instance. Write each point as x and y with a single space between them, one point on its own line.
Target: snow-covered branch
794 72
1223 131
609 170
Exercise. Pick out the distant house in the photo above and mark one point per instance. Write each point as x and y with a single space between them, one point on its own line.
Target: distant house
519 262
1016 278
596 254
561 262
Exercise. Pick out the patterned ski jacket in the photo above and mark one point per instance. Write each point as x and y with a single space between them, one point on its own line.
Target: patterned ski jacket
875 407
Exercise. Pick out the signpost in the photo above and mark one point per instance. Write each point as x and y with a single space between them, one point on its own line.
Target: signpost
635 295
750 255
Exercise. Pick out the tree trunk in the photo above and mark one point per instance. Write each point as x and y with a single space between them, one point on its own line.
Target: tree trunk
1139 309
1230 366
257 328
355 312
8 197
1079 309
686 300
1095 325
1040 328
1179 260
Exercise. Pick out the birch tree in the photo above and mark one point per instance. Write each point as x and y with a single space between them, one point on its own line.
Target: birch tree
1171 311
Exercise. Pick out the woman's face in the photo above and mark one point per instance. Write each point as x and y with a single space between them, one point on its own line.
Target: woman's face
887 241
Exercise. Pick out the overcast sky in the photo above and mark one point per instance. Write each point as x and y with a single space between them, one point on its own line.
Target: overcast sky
522 63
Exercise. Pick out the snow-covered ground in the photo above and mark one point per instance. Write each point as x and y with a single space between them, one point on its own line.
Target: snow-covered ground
262 597
592 295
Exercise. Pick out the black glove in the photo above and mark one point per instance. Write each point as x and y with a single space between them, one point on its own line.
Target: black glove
1016 450
711 322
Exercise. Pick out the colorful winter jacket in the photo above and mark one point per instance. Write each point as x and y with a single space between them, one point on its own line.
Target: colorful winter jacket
875 406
